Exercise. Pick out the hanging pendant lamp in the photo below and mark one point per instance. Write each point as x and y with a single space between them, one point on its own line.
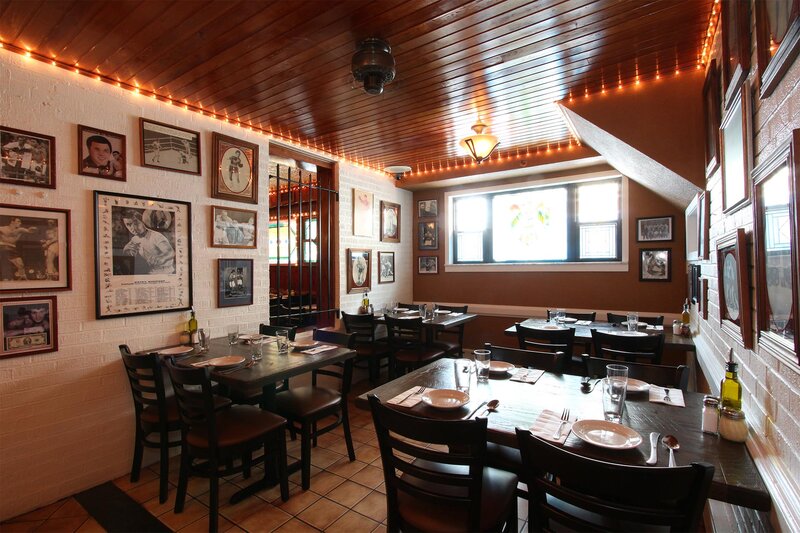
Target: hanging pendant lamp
481 145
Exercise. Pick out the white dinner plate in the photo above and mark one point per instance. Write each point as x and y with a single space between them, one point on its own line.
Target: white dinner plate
401 308
547 326
303 345
225 362
606 434
637 385
500 367
442 312
445 398
176 350
638 324
629 333
568 320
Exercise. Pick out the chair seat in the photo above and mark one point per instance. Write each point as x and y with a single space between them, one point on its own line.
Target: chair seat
375 349
447 346
150 413
235 426
419 356
301 402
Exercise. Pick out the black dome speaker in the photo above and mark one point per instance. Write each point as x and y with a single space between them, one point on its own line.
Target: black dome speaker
373 65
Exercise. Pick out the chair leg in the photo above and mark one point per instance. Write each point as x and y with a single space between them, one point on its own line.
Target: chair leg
138 450
305 456
314 434
183 481
348 439
247 459
280 458
511 520
163 472
213 501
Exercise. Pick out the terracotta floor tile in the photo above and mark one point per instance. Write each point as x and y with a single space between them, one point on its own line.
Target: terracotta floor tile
322 513
226 490
42 513
381 488
381 528
348 493
298 501
352 522
193 511
369 477
295 478
90 526
368 453
340 447
201 526
146 475
266 518
142 493
57 525
323 458
242 510
323 482
345 467
373 506
70 508
296 526
28 525
362 435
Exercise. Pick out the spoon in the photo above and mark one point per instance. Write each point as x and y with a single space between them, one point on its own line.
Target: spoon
492 405
672 443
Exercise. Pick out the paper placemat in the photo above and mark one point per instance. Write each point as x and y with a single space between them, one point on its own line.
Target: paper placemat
547 425
527 375
409 398
655 328
319 349
657 395
583 322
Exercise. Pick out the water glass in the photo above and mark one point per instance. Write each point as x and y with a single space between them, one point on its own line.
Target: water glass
256 348
633 320
422 310
482 360
202 339
282 341
561 314
463 369
233 334
614 387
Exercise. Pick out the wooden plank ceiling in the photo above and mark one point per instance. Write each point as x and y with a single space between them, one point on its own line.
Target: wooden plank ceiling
285 65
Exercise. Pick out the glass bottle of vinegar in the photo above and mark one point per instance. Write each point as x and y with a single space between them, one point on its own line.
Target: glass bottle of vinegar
730 390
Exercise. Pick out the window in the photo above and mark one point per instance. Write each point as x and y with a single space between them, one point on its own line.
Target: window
565 222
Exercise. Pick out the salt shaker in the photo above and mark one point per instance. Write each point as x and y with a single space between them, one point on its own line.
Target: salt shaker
710 414
676 327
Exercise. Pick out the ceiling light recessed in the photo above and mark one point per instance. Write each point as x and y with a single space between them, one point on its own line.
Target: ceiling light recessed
397 170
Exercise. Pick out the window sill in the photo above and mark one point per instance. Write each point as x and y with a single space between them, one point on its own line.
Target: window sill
541 267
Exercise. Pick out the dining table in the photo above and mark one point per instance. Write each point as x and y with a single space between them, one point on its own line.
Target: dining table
438 322
736 478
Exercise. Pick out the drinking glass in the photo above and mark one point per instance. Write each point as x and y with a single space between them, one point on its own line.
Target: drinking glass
233 334
463 369
560 315
614 386
202 339
633 320
422 309
256 347
482 360
282 341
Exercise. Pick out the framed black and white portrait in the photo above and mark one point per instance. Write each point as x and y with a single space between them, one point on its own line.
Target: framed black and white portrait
654 229
234 282
233 228
359 265
386 267
429 235
28 326
234 167
390 222
427 208
169 147
27 158
428 264
101 154
655 264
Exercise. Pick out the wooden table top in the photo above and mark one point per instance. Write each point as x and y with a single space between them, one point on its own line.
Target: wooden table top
736 479
439 321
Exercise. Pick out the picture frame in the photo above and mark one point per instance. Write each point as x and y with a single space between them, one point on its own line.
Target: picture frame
385 267
427 208
654 229
429 235
704 224
655 264
29 326
233 228
428 264
359 266
37 251
712 113
704 298
390 222
234 164
736 153
143 255
774 60
734 287
734 22
28 158
234 282
694 272
102 154
168 147
363 203
692 225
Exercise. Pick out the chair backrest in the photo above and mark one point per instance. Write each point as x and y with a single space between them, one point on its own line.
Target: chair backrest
549 361
266 329
663 375
341 371
147 381
614 318
577 316
637 497
457 331
348 340
454 308
451 472
362 326
629 348
404 333
408 306
549 340
195 398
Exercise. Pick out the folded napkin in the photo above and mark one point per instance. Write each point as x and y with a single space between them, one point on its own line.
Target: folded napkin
207 362
319 349
527 375
547 425
655 328
456 314
409 398
657 395
583 322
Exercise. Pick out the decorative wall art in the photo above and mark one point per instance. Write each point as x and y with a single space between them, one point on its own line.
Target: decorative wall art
736 153
711 109
390 222
427 208
777 41
359 264
29 326
428 264
655 264
234 282
429 235
101 154
386 267
735 25
27 158
234 164
169 147
143 255
734 287
362 213
654 229
233 228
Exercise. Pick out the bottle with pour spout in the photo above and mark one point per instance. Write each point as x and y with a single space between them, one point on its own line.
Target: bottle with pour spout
730 388
192 327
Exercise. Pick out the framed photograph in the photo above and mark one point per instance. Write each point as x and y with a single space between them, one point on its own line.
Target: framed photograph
169 147
362 213
655 264
777 40
428 264
734 287
735 25
736 153
654 229
234 282
143 255
386 267
390 222
234 165
695 271
27 158
712 113
429 235
704 298
101 154
692 225
359 263
428 208
29 326
233 228
34 249
704 224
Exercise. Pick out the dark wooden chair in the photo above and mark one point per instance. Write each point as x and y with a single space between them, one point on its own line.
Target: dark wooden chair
367 347
432 489
551 340
555 362
407 346
614 318
647 348
268 329
571 492
577 316
304 407
451 340
666 376
156 414
221 442
410 307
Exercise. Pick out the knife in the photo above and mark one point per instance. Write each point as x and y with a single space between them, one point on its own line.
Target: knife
476 409
653 459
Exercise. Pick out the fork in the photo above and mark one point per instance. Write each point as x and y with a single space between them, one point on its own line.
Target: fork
564 420
666 395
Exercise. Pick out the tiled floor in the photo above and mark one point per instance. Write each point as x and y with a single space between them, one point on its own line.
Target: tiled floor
344 496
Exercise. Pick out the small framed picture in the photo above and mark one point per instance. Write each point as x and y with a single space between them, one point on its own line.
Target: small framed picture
428 264
233 228
386 267
736 153
358 269
29 326
390 222
654 229
101 154
428 208
169 147
734 287
27 158
234 165
711 109
34 248
429 235
362 213
655 264
234 282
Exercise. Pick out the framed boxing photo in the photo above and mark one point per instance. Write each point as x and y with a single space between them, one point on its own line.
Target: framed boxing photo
27 158
101 154
169 147
28 326
234 165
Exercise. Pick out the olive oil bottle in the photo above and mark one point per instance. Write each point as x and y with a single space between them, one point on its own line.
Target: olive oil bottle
730 388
